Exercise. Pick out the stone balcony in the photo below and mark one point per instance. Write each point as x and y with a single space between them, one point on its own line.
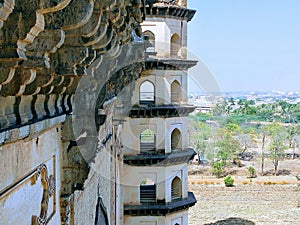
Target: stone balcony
165 111
169 63
156 158
160 209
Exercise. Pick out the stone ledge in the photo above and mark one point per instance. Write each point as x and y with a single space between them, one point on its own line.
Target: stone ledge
22 132
160 209
160 159
170 63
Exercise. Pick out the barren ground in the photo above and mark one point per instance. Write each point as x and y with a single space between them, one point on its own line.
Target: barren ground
263 200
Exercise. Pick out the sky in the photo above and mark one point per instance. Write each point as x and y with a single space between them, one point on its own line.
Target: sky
247 45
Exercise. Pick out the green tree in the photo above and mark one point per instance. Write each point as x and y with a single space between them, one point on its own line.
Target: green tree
199 138
233 128
222 109
266 131
292 131
246 107
277 146
227 146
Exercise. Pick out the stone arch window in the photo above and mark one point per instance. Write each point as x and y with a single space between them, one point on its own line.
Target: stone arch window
147 141
176 140
175 92
150 36
175 45
147 93
147 191
101 217
176 188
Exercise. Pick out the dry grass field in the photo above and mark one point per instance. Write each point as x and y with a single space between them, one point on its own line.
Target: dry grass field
268 200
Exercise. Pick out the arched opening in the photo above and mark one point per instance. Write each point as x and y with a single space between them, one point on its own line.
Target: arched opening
147 191
175 92
101 215
149 36
147 93
176 188
176 140
175 45
147 141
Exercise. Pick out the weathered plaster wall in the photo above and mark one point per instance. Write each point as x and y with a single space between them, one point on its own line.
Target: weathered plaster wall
30 165
101 178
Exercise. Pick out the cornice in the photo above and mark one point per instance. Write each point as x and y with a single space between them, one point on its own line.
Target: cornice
160 209
48 48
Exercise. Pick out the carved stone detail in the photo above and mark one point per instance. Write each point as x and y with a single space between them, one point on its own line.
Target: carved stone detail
47 46
48 183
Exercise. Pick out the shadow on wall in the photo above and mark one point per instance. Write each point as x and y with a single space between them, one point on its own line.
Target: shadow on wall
232 221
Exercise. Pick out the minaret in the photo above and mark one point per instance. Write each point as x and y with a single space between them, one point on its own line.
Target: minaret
154 175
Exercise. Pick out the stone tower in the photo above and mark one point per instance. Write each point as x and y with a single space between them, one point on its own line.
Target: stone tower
154 174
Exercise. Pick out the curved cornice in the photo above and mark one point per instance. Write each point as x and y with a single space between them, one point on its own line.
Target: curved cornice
160 209
169 11
47 47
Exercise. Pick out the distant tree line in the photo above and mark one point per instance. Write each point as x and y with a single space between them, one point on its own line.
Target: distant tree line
225 135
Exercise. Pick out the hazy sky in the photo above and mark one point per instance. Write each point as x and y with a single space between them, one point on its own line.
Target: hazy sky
248 45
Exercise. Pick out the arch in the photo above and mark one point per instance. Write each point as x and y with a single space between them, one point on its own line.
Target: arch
147 191
147 141
101 213
175 92
147 92
175 45
176 188
150 36
176 140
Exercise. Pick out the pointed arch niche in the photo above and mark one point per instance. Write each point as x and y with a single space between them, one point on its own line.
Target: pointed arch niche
150 36
147 141
147 191
147 93
176 188
175 45
176 140
175 92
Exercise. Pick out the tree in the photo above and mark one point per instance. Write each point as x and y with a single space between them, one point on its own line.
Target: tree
246 138
277 146
233 128
228 147
246 107
222 109
199 138
292 132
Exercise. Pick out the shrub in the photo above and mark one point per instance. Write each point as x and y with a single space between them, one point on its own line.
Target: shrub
252 172
218 169
228 181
